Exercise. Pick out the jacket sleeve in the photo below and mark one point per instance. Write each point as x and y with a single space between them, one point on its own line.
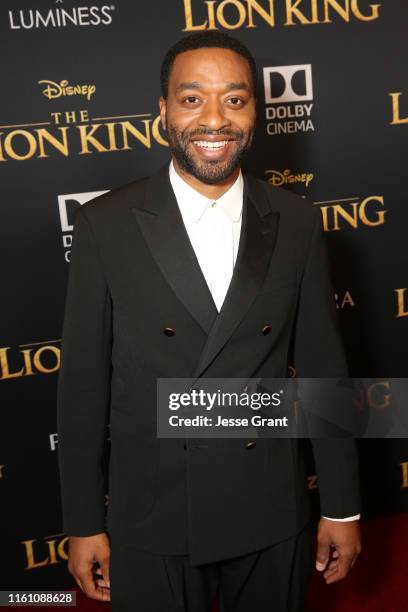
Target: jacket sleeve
84 387
319 353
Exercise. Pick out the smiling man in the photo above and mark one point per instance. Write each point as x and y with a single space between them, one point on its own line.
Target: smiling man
198 271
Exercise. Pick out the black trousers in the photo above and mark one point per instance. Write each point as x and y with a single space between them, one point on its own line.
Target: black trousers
273 579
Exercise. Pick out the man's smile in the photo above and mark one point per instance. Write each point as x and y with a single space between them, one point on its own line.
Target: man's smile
212 149
206 144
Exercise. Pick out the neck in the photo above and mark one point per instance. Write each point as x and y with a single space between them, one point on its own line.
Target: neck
212 192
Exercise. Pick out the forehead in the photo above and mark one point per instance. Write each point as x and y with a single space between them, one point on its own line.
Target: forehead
211 67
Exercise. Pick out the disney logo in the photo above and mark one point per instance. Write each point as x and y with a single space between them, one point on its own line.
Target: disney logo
56 90
286 177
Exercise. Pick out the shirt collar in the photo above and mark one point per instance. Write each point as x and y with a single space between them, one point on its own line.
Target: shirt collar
193 204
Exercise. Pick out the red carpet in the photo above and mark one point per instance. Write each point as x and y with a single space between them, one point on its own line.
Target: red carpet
378 582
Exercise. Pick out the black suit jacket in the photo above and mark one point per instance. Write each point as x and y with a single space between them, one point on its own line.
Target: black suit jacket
133 272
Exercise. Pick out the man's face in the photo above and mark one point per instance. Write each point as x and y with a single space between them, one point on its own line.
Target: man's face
209 113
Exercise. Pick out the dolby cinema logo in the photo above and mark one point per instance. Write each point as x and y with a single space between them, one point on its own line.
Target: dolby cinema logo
288 99
67 206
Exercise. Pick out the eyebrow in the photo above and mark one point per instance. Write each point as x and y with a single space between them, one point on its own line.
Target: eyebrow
196 85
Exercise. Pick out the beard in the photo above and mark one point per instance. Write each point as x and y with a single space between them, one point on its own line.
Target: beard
208 170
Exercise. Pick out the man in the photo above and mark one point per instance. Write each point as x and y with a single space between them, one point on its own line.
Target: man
198 271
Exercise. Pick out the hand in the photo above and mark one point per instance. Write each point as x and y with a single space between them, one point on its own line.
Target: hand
345 538
83 553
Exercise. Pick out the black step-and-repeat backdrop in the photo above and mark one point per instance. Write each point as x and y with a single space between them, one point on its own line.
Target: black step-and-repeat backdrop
79 116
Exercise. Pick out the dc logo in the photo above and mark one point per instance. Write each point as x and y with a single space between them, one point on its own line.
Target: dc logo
288 83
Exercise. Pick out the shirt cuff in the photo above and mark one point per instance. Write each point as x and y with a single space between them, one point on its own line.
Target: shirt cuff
356 517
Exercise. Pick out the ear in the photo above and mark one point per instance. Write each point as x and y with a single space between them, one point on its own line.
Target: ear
163 111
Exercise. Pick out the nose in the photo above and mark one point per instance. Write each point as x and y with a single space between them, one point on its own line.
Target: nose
212 115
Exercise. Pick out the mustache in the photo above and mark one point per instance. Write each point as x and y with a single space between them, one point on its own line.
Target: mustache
236 134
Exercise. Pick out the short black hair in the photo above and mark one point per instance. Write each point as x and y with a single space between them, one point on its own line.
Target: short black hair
201 40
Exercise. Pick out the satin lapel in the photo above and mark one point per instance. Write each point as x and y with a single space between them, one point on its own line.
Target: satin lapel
257 241
163 228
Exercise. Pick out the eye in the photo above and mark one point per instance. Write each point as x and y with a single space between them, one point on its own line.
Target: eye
191 99
235 101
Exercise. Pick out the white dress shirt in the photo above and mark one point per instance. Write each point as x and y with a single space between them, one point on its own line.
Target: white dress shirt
214 228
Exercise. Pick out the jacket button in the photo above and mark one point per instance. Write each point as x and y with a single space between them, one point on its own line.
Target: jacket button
250 445
169 331
266 330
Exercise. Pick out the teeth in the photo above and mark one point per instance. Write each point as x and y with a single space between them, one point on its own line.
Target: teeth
204 144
